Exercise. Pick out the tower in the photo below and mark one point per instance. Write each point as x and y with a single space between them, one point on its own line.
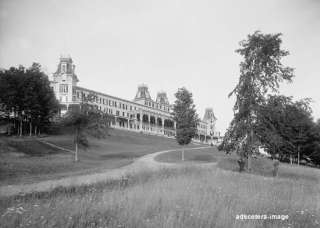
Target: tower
64 79
210 119
142 94
162 98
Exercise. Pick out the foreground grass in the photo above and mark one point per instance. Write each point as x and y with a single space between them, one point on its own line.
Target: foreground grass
25 160
184 197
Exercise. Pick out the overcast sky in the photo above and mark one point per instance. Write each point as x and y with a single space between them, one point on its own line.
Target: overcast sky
167 44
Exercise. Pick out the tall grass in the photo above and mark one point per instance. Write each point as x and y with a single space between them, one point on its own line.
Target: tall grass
185 197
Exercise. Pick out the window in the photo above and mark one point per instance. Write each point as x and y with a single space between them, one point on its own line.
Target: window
64 68
123 114
63 88
117 113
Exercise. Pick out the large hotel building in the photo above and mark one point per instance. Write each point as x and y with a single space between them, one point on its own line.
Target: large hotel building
142 114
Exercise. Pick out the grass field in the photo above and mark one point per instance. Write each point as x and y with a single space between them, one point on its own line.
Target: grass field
25 160
183 197
260 165
198 156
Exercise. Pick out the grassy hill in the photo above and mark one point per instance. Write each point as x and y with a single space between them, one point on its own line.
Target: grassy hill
185 196
188 196
25 160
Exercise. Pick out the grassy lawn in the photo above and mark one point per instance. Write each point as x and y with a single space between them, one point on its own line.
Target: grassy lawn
202 156
183 197
260 165
25 160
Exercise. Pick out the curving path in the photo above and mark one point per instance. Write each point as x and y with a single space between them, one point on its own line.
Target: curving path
138 165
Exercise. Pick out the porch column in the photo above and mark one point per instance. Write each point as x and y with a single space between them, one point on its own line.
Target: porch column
140 124
149 121
162 121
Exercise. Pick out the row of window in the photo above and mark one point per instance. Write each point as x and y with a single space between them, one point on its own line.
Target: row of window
117 113
156 105
110 103
123 106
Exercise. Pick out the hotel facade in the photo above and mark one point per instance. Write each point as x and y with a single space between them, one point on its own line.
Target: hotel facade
142 114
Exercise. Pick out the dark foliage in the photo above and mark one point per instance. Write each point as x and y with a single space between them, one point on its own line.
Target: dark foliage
185 116
27 99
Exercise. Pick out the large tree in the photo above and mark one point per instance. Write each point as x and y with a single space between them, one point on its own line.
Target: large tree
261 71
86 120
27 98
186 118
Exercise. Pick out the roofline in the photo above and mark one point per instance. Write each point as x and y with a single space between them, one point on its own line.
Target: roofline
118 98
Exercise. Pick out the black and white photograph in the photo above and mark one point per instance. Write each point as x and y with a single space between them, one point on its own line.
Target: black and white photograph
160 113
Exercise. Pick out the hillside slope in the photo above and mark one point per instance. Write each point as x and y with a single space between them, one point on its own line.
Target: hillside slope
26 160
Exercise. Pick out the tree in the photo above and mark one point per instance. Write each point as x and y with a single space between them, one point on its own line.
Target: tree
314 150
286 127
271 127
186 118
261 71
27 98
86 120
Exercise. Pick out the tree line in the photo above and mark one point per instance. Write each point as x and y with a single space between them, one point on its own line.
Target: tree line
27 101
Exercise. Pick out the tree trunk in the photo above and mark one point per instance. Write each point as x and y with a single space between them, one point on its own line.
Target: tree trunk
35 130
20 128
291 159
76 153
182 153
249 158
30 128
275 168
9 128
298 155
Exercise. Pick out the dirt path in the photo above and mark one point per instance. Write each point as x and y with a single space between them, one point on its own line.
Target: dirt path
142 163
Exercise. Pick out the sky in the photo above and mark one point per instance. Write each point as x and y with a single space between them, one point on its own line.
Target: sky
167 44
